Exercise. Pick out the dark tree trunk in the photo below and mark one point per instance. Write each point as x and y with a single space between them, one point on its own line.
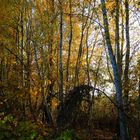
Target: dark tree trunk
61 98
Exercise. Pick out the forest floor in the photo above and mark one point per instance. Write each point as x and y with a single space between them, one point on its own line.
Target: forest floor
13 129
103 135
96 134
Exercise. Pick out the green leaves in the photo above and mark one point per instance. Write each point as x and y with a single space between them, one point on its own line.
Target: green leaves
66 135
12 129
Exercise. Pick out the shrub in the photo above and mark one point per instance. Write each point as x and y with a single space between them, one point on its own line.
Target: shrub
11 129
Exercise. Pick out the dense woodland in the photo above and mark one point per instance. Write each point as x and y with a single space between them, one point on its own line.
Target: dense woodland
69 69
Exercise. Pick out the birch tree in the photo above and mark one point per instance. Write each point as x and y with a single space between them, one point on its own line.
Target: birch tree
117 80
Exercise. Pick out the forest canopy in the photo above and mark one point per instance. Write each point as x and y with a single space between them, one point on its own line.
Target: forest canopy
69 69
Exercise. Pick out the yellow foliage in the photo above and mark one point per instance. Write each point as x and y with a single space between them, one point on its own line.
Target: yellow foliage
110 4
55 103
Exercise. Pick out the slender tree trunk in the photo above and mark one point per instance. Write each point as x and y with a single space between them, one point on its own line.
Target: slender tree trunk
78 61
87 57
91 108
76 82
87 47
50 64
70 43
28 66
41 77
127 57
122 41
123 130
117 39
22 59
80 51
61 95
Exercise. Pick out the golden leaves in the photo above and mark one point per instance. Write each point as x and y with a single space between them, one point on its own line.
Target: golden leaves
110 5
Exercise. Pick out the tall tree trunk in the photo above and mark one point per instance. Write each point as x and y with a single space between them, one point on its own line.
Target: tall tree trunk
50 51
91 107
87 47
87 57
117 39
76 82
60 55
41 77
78 61
70 43
28 65
22 58
123 129
122 41
127 57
